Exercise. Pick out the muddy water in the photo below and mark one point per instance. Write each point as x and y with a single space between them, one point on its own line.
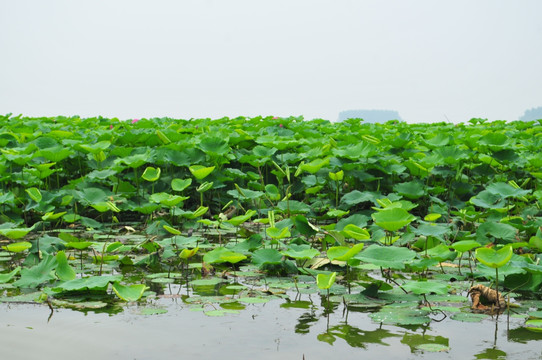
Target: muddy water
261 331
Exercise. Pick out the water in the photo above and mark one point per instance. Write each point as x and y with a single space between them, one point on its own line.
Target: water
260 331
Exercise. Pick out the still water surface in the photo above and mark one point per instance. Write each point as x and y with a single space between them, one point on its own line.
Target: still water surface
260 331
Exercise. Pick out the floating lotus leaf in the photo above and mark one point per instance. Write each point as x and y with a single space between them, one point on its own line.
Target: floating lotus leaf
401 316
94 283
392 219
469 317
426 287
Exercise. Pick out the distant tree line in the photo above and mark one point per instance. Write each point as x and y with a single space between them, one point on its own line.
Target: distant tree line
532 114
370 116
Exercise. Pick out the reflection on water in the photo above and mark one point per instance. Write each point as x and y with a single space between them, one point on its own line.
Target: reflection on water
277 328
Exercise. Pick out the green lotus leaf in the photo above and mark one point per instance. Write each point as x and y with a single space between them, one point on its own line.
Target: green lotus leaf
135 161
505 190
96 147
355 232
412 190
315 165
324 281
200 172
129 292
386 256
426 287
4 278
205 186
294 207
214 146
392 219
151 174
401 316
221 255
276 233
266 256
34 194
465 245
52 216
338 176
38 274
441 253
343 253
17 247
198 212
180 184
94 283
79 245
272 192
171 230
303 226
167 199
301 252
534 325
494 258
487 200
64 271
15 233
238 220
188 253
431 229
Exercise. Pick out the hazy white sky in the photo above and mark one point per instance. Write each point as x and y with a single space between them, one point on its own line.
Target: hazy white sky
431 60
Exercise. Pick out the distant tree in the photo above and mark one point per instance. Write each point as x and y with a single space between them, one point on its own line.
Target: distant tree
532 114
370 116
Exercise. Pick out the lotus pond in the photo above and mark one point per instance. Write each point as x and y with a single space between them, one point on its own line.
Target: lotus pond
270 237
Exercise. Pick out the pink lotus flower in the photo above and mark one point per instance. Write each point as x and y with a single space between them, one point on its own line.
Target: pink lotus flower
111 127
134 121
281 125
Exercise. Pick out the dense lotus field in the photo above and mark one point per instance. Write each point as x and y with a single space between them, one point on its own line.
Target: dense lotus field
97 211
